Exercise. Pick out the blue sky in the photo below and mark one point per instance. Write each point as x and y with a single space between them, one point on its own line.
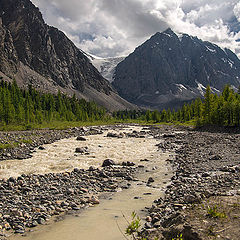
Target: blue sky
110 28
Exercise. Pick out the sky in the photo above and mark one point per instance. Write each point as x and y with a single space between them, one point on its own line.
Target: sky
112 28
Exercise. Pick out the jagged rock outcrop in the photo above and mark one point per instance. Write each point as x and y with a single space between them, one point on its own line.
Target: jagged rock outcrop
8 55
169 69
34 53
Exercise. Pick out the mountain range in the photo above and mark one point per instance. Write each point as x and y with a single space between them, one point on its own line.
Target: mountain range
165 71
169 69
34 53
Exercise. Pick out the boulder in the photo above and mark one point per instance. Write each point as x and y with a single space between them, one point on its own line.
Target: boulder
108 162
80 138
81 150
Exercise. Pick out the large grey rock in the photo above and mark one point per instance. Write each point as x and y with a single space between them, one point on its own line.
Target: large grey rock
108 162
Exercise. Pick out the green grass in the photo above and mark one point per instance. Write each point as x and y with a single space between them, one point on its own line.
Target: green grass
52 125
5 146
61 125
12 144
179 237
214 212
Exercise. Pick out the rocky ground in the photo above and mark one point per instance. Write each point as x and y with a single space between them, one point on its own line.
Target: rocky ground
28 201
31 200
202 201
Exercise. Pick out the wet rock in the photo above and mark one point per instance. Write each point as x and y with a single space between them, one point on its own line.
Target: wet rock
113 135
215 157
94 200
150 180
80 138
148 219
81 150
108 162
169 135
128 164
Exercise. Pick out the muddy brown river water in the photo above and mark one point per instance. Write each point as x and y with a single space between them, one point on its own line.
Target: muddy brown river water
105 221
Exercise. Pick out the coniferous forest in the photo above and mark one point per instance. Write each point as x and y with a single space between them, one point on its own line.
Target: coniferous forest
213 109
26 106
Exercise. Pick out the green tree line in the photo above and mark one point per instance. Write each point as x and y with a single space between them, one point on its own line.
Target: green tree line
26 106
213 109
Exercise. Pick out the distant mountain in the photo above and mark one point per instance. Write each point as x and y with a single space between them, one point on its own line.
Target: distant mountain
169 69
34 53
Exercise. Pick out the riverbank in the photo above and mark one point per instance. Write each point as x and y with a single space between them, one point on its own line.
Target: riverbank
206 183
21 144
29 200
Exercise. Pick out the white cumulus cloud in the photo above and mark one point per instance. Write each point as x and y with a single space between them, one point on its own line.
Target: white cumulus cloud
109 28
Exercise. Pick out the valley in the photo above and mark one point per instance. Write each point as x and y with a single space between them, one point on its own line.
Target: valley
137 144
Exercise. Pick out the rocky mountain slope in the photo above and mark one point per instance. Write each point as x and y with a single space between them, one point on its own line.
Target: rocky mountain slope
34 53
171 68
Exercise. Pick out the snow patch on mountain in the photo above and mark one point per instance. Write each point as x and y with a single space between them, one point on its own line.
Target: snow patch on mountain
106 66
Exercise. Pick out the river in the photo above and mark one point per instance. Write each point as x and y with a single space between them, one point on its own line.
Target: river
105 221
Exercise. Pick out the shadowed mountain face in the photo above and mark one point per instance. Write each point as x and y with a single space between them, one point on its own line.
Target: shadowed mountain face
170 68
34 53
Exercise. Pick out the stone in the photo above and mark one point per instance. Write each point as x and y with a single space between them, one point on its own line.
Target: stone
7 226
215 157
148 219
19 230
94 200
84 190
81 150
150 180
33 224
40 220
108 162
80 138
148 225
205 174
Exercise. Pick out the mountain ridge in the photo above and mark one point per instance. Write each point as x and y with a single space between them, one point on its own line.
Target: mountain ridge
171 68
34 53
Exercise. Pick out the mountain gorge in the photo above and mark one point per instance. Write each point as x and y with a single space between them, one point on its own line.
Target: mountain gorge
169 69
106 66
34 53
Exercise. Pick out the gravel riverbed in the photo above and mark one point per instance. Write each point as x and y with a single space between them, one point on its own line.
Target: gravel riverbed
206 167
206 176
